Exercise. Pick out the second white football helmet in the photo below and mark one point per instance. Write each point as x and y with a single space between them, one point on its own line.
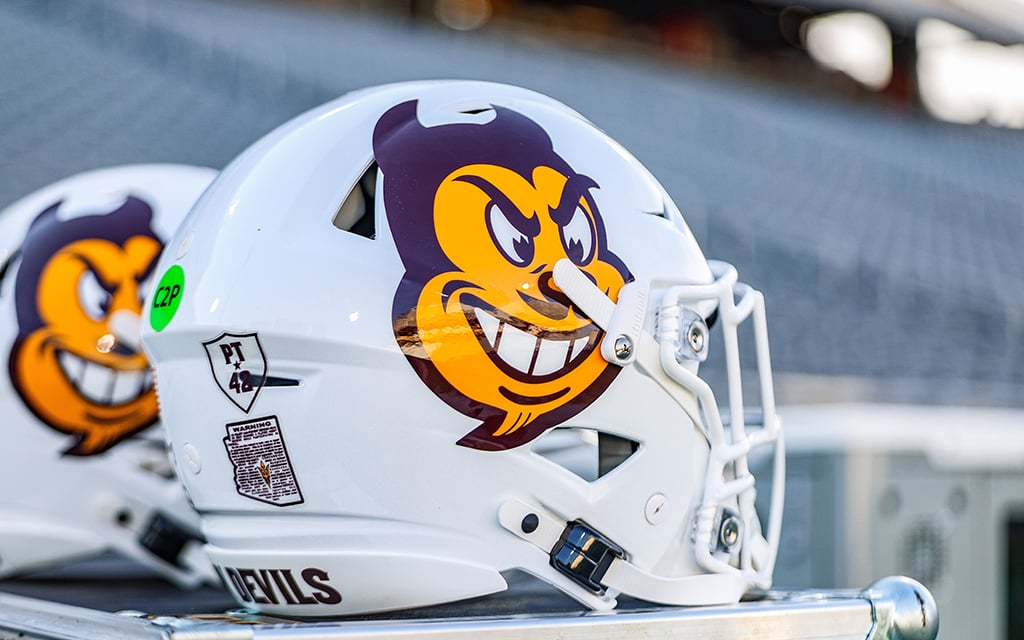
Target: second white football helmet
83 468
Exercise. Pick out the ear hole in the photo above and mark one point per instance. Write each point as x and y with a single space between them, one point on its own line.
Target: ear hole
588 453
356 213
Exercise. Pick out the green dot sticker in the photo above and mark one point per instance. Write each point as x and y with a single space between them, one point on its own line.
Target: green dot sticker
167 297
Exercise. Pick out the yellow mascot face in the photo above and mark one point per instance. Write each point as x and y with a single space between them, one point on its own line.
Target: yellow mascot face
78 280
488 211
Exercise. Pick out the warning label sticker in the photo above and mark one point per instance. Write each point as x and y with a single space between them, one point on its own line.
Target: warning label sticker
263 470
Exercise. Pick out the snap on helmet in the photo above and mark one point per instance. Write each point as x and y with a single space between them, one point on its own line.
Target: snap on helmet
395 311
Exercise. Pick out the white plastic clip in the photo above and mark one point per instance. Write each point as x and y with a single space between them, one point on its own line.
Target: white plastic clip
622 322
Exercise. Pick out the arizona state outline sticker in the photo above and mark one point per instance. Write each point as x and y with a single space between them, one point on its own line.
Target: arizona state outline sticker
263 470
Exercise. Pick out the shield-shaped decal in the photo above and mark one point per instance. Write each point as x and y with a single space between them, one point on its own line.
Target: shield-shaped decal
238 365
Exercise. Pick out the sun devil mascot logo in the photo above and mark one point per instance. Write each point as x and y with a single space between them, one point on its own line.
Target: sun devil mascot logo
77 278
480 213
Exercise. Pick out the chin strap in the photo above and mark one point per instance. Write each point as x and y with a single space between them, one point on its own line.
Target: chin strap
177 546
597 564
155 537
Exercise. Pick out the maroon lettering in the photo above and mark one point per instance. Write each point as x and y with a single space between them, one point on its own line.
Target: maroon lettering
258 585
226 351
303 598
236 582
317 578
282 587
264 583
250 575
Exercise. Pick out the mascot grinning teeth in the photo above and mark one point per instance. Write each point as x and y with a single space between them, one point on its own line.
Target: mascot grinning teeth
75 362
480 213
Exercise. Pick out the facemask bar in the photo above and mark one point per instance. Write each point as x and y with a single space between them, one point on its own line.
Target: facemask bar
737 302
625 343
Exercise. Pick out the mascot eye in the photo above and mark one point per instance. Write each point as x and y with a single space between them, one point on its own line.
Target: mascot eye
93 297
516 246
578 237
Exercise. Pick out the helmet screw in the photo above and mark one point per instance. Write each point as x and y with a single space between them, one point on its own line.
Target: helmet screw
530 523
730 531
623 347
655 508
123 517
695 336
192 459
185 245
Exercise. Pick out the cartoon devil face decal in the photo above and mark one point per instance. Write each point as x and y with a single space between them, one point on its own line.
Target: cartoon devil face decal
480 214
78 298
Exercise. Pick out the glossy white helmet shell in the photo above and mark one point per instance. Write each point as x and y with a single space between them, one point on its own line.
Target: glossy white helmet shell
389 306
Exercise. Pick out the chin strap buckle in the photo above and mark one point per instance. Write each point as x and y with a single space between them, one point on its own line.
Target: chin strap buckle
584 555
598 565
167 540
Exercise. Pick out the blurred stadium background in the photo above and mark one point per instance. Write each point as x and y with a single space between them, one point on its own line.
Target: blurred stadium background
861 162
887 241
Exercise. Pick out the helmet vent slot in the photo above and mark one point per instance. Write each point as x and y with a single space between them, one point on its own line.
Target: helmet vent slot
588 453
664 213
6 264
356 213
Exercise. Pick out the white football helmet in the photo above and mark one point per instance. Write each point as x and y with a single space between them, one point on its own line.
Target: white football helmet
83 471
398 307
